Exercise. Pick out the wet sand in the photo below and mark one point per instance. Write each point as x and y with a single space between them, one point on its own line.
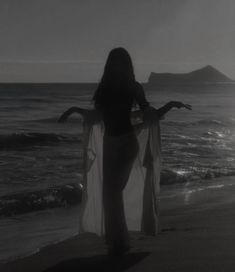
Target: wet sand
197 234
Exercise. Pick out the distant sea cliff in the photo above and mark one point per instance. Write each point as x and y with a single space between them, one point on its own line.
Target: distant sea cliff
207 74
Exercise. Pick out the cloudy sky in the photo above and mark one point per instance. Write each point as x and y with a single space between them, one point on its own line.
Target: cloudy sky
68 40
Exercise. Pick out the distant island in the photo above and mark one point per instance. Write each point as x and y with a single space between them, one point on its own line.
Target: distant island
207 74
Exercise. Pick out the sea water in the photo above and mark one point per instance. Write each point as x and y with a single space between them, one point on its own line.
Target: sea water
41 160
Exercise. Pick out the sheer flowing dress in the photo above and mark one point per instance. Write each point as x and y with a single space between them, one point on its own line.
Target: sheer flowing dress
121 180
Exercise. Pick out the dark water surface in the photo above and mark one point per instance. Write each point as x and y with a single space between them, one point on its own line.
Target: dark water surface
41 160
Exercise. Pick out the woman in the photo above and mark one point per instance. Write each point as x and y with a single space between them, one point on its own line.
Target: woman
114 99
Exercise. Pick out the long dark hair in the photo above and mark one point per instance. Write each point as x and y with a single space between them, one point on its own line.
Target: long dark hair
118 71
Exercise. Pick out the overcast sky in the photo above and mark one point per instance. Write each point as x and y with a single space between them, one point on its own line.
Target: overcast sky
68 40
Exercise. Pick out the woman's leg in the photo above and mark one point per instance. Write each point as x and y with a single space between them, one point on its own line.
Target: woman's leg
116 233
117 164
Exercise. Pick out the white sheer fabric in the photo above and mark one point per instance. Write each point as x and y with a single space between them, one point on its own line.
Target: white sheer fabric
141 194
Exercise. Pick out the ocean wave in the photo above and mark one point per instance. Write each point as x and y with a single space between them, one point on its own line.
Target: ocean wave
33 99
222 122
207 122
69 194
54 120
18 107
175 123
169 176
45 120
18 140
216 134
203 122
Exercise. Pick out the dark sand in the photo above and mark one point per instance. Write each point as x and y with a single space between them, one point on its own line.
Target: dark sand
198 234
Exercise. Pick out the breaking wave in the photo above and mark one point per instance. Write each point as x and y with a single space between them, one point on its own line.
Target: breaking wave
18 140
19 203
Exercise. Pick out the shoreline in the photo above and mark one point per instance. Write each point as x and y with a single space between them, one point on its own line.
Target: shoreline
198 234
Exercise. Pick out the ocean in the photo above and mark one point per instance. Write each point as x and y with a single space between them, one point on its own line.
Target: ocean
41 159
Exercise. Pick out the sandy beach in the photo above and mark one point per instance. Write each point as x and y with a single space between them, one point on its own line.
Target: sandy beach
197 234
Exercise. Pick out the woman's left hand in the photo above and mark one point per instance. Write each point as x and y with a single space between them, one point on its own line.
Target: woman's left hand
179 105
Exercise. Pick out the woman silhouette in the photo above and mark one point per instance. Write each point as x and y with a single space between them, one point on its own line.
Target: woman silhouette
117 93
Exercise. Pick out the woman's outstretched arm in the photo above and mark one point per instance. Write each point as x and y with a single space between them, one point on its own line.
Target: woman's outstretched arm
149 110
63 118
173 104
145 106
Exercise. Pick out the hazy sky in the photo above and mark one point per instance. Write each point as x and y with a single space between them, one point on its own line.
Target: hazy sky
68 40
